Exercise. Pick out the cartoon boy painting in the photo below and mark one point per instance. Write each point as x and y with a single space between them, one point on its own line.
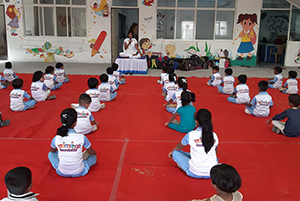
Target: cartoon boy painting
145 44
247 35
15 15
170 51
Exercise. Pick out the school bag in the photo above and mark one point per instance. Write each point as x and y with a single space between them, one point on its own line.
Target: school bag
184 65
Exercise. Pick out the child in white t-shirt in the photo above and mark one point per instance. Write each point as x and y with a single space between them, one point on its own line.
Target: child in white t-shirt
241 91
60 73
203 144
107 93
261 103
112 79
170 87
227 84
66 154
163 76
216 79
17 96
3 122
226 181
291 85
8 74
84 116
50 79
94 93
120 78
39 91
276 83
18 182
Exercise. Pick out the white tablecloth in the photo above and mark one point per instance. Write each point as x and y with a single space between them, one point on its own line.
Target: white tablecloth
132 65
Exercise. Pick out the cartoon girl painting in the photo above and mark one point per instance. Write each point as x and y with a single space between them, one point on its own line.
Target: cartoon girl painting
15 15
247 35
145 44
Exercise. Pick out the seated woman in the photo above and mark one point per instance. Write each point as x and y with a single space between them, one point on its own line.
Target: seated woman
131 48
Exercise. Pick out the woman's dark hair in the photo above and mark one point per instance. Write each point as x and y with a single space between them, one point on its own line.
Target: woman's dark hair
203 117
18 180
67 117
172 77
182 82
49 69
226 178
37 76
132 27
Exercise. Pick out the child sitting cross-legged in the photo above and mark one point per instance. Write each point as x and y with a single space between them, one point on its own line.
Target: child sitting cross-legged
261 103
107 93
215 80
60 73
226 181
276 83
170 87
17 96
227 84
203 145
39 91
84 116
120 78
8 73
50 79
241 91
66 154
18 182
291 85
187 112
291 128
112 80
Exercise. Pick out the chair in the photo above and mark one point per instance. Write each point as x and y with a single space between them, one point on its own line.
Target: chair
277 51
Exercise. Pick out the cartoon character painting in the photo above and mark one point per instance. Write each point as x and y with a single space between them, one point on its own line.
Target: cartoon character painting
99 9
145 44
148 2
297 60
170 51
247 35
14 15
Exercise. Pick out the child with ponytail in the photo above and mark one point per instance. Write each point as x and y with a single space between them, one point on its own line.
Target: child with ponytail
187 112
203 145
66 154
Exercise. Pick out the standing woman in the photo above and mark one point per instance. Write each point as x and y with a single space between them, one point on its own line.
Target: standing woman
131 48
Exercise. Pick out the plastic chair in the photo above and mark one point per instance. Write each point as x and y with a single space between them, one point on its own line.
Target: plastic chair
276 51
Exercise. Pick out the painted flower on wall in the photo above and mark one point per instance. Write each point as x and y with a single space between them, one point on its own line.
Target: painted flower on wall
201 53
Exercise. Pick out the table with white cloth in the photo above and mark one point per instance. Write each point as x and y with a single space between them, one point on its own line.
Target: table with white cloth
132 65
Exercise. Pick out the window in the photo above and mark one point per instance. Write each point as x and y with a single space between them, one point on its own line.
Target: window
276 4
131 3
295 25
195 19
61 18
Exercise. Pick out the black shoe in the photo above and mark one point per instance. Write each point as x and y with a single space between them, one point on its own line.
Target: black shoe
240 58
130 73
5 123
248 58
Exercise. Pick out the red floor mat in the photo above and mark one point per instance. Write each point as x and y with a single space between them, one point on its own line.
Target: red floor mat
265 160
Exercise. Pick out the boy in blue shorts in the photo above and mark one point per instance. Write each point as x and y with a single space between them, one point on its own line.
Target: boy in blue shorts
276 83
261 103
291 128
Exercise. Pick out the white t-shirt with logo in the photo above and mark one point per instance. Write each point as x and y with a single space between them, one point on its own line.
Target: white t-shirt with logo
9 74
292 86
164 78
60 74
131 49
171 88
70 152
95 96
49 80
216 79
277 81
112 81
262 102
228 82
242 93
117 75
38 91
105 88
16 99
201 162
84 118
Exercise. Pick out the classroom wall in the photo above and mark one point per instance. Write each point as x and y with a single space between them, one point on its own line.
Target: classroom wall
26 48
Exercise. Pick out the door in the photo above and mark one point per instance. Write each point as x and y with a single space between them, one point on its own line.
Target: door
122 19
3 41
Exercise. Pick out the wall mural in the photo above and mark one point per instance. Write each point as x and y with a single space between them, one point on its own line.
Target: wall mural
297 60
146 46
13 13
96 44
201 53
246 56
170 51
100 9
48 53
148 2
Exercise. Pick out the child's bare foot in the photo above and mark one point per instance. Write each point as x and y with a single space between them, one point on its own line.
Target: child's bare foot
102 106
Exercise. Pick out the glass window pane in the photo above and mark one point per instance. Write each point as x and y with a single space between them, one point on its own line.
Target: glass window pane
78 2
295 25
61 21
206 3
49 23
28 1
226 4
186 3
1 1
224 25
41 11
276 4
47 1
125 3
205 24
165 24
185 24
166 3
69 22
31 20
78 22
63 2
